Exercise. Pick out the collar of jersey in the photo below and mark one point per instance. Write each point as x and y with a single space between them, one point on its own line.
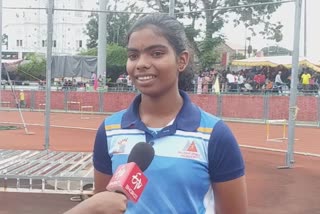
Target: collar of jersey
188 119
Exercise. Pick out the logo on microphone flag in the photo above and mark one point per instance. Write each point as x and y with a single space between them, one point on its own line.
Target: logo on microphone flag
129 180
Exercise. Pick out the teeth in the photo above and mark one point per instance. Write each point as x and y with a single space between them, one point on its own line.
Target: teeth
145 78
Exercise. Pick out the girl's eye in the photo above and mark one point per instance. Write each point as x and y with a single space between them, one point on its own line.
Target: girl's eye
157 53
132 56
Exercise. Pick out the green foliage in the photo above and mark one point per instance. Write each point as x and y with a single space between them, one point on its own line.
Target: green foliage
116 55
258 15
118 24
33 68
214 19
209 57
116 60
238 56
89 52
92 31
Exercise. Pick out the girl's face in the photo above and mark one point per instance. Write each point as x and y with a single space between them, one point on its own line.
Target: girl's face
152 63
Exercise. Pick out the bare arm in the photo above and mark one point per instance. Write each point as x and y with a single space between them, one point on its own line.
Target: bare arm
231 196
101 181
101 203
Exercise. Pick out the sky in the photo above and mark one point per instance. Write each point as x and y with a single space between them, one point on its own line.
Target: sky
285 14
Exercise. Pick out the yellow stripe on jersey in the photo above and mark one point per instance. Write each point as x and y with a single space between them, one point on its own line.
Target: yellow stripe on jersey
204 130
113 126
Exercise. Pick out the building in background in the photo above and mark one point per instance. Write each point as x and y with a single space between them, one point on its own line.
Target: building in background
27 28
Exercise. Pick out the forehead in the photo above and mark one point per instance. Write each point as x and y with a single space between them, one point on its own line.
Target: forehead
146 37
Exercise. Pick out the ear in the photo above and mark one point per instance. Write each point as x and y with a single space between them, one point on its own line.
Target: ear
183 60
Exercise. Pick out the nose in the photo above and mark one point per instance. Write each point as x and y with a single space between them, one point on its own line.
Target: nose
143 62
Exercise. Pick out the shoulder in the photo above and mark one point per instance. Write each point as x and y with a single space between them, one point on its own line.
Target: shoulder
115 118
207 119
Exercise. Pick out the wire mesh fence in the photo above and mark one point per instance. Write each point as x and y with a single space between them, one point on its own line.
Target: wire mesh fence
245 106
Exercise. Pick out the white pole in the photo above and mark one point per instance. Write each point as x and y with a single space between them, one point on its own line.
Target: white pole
102 41
294 84
48 74
171 8
305 28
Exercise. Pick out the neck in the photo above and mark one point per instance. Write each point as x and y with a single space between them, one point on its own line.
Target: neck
159 111
162 105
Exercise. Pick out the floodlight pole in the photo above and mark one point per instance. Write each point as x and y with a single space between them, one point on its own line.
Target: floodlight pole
171 7
102 41
294 83
48 73
305 28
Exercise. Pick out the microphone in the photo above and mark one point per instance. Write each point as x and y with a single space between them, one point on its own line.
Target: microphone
129 179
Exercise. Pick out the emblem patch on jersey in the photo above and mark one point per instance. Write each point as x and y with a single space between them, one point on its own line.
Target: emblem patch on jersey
120 146
190 151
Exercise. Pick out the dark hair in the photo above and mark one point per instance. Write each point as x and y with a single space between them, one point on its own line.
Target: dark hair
171 29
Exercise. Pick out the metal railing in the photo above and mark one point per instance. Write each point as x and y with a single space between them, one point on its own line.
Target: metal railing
45 172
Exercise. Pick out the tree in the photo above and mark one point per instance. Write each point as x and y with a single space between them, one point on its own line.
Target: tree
215 19
116 59
118 25
92 31
237 56
207 54
34 68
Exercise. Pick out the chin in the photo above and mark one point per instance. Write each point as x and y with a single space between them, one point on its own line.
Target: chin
150 92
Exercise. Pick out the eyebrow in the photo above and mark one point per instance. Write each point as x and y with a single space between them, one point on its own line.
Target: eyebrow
148 48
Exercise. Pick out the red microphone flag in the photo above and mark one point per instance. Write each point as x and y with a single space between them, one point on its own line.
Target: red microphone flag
129 180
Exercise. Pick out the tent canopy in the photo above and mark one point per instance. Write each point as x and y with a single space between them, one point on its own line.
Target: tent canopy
10 64
11 61
73 66
274 61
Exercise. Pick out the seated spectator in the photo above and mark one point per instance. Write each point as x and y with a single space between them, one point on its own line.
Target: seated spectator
259 80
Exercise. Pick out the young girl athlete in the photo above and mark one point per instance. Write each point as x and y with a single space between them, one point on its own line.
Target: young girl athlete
198 166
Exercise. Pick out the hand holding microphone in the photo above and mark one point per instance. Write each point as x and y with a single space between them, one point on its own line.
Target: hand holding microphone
129 179
101 203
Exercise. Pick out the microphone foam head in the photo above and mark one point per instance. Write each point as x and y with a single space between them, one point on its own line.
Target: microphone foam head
142 154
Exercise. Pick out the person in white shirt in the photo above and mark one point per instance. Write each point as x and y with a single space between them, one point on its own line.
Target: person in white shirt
231 81
279 83
241 80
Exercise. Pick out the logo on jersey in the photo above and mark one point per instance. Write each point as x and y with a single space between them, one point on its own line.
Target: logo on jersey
191 147
120 146
190 151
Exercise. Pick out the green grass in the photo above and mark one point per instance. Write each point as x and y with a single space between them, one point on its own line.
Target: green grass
8 127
